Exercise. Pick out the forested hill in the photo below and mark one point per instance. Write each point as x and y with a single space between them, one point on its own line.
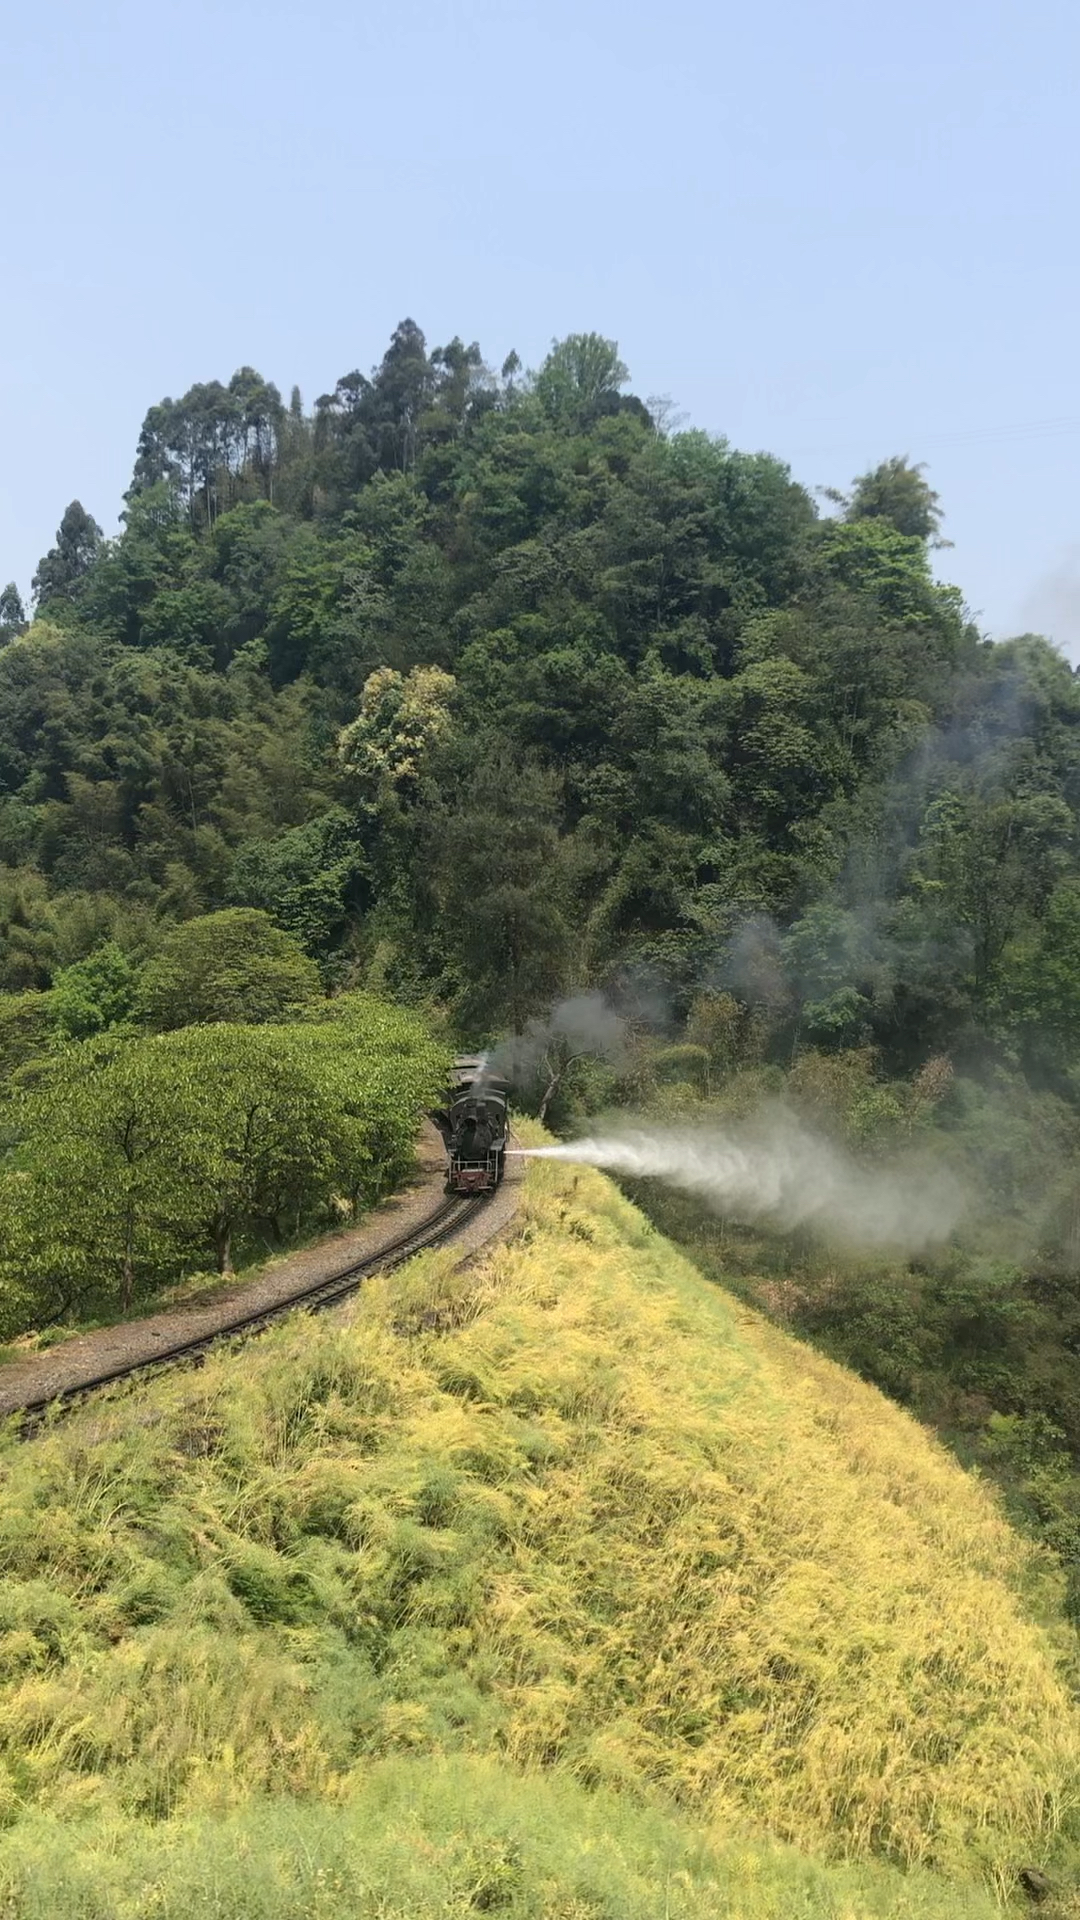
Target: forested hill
490 686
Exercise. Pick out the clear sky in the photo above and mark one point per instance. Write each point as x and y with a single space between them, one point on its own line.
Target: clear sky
830 229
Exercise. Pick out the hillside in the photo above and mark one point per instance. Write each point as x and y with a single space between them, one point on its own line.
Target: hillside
495 695
488 686
561 1585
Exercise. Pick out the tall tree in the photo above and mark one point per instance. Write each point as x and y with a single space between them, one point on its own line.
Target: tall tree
12 613
896 491
209 443
62 571
402 391
107 1187
580 380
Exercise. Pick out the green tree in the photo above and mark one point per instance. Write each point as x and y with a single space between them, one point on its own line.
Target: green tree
833 960
380 1066
234 965
327 609
580 379
93 994
990 863
63 570
306 878
197 619
12 614
401 391
401 719
896 491
212 446
104 1194
875 559
779 772
256 1138
502 892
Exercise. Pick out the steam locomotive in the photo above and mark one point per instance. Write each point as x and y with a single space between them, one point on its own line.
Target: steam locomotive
473 1124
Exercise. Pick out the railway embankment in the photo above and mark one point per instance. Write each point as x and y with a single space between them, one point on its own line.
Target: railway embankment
111 1353
561 1516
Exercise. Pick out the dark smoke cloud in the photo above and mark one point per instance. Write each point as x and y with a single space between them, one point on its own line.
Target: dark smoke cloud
584 1023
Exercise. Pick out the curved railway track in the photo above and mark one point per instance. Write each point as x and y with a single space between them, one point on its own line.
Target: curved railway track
432 1231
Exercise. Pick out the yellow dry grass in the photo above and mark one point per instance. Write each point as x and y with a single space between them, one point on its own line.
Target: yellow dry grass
742 1575
570 1505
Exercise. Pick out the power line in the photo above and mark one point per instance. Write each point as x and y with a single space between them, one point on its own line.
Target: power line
964 436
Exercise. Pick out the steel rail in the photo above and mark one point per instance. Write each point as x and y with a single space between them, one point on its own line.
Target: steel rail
431 1232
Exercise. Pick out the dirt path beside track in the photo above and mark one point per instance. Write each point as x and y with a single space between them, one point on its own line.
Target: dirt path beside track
84 1359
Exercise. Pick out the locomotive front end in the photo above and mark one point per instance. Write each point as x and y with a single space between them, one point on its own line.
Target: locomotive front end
473 1124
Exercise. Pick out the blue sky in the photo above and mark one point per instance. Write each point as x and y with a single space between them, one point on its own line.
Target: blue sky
834 231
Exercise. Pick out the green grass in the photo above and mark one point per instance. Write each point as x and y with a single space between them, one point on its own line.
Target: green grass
567 1547
422 1839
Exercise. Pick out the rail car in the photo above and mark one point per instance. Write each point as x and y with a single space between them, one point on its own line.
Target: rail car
473 1124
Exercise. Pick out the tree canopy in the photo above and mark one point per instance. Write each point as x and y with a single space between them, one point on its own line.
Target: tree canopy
65 567
487 686
235 965
896 491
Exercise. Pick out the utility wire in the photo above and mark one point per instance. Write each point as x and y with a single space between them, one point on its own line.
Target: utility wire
965 436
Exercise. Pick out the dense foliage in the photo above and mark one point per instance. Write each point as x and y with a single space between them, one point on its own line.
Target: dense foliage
488 687
135 1159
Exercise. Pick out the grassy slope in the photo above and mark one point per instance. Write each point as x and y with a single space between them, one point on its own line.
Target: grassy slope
572 1510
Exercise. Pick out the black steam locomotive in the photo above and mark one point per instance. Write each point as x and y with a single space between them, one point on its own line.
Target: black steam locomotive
473 1124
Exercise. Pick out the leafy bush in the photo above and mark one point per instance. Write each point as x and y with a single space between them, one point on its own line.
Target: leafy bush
235 965
93 994
136 1155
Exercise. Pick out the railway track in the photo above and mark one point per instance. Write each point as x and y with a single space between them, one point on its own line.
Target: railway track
433 1231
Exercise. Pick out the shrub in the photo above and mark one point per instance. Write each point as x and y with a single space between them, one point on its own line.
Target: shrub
235 965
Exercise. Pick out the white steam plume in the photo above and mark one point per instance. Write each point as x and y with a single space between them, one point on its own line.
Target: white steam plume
775 1172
